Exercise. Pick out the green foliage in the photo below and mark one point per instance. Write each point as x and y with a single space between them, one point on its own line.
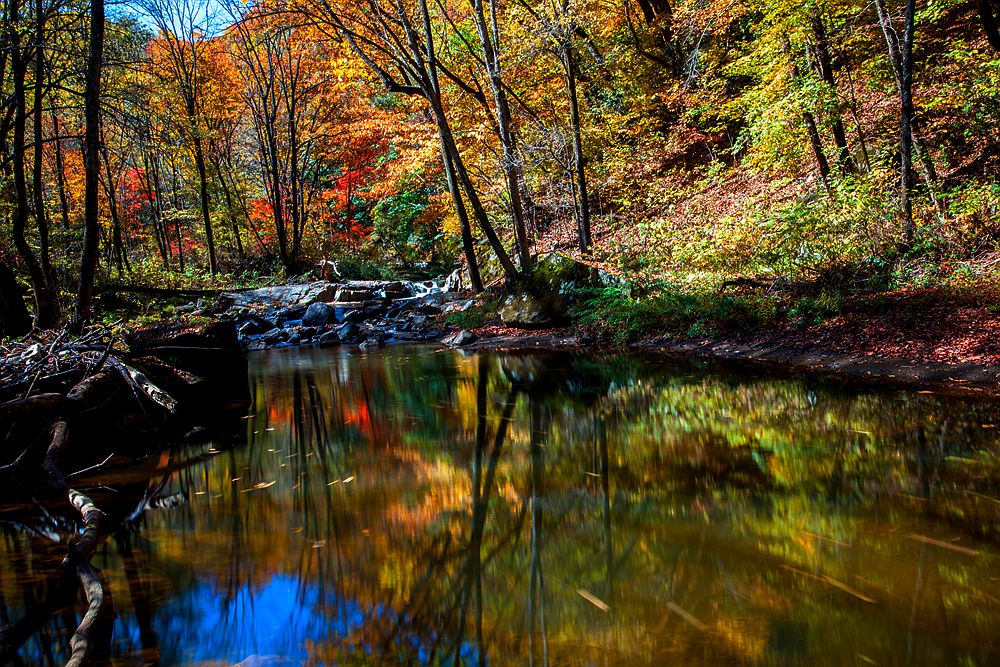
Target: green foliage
627 313
362 266
398 225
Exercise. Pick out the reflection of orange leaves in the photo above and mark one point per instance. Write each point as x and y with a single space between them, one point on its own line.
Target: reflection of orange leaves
358 416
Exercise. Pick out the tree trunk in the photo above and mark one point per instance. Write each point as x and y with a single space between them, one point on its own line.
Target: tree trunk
906 124
452 157
988 16
38 172
901 57
60 173
468 244
810 121
199 158
824 63
46 313
92 165
118 253
511 161
14 317
579 160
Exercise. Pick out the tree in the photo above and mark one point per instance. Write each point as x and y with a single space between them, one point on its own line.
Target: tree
394 37
92 166
183 27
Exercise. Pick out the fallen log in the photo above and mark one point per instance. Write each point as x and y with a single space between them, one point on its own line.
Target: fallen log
50 466
93 634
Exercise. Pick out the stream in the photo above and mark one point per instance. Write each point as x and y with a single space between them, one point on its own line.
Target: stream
422 505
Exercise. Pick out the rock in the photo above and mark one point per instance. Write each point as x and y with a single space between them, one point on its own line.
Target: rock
285 296
348 332
376 339
459 338
344 315
458 280
295 339
530 311
428 309
291 314
457 306
354 294
256 345
318 314
254 326
328 339
395 290
275 336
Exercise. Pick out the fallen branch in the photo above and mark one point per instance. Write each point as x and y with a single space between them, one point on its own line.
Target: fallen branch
93 632
50 466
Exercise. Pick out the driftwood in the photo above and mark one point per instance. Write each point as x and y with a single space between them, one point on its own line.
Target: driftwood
60 433
92 634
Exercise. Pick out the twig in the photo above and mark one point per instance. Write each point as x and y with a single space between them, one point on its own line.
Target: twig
94 467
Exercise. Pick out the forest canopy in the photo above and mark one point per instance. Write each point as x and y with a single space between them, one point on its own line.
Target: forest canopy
689 143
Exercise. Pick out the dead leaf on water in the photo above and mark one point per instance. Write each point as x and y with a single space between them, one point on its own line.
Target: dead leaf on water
832 582
593 599
683 613
944 545
259 486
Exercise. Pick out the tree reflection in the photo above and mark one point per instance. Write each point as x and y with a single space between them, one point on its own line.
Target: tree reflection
417 506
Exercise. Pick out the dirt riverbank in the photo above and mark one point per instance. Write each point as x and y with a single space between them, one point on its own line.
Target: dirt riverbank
923 340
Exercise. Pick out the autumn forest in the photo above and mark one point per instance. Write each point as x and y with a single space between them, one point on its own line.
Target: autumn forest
216 143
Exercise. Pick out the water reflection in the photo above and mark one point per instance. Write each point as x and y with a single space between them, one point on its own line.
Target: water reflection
415 505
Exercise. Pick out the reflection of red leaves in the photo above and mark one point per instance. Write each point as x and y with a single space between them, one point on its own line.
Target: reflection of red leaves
358 416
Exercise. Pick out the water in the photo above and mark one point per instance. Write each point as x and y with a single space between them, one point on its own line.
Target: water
420 506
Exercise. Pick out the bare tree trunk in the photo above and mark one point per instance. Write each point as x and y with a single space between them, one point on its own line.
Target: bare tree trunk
810 122
199 159
38 172
92 165
60 173
824 63
468 243
452 157
118 254
988 15
46 313
906 124
489 40
901 56
579 160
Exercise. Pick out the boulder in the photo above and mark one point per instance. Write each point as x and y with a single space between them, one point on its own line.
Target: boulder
372 341
254 326
459 338
457 306
533 311
395 290
328 339
348 332
284 296
318 314
275 336
348 293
